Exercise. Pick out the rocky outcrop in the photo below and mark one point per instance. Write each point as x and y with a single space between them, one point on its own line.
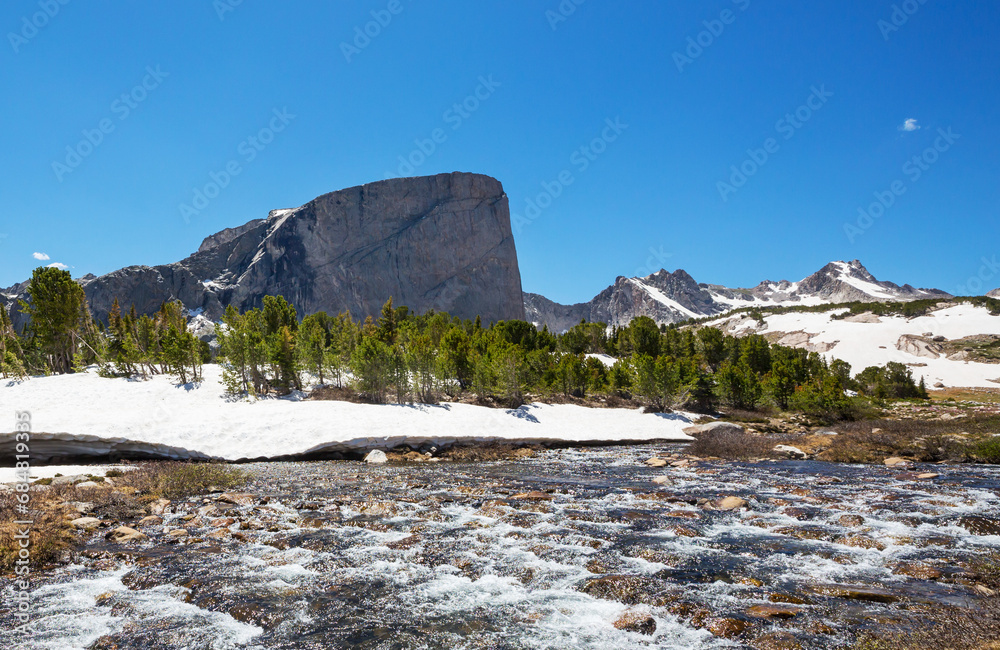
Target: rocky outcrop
674 297
229 234
437 242
919 346
994 294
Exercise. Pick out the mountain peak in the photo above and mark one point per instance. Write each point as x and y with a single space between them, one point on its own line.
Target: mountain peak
672 297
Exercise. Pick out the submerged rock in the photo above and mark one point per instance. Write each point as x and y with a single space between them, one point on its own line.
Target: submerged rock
636 621
978 525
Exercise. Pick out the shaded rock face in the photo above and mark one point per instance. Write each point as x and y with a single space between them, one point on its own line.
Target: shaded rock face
626 299
437 242
674 297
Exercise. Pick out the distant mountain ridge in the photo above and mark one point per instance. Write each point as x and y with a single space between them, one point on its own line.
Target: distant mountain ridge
672 297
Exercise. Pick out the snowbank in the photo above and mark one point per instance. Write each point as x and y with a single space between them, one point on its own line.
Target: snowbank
72 414
874 344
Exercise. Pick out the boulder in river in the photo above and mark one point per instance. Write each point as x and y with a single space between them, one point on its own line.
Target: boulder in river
636 621
125 534
730 503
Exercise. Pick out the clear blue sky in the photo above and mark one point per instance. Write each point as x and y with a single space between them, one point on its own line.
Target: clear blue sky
654 188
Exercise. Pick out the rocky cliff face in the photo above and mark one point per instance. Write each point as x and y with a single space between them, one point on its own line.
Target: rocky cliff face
674 297
994 294
438 242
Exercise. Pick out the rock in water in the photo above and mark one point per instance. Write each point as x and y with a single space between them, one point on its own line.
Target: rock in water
125 534
636 621
439 242
376 457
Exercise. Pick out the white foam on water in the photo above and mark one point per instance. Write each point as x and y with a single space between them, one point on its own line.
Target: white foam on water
67 618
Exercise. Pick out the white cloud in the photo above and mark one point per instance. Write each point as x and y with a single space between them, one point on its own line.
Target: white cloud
910 125
40 256
58 265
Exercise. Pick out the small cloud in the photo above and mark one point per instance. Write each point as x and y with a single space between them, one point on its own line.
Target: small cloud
909 125
58 265
40 256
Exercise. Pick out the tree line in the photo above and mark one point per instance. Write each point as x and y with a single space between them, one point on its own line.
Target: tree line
401 356
62 337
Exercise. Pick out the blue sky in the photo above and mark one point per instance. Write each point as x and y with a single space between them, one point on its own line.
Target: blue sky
823 90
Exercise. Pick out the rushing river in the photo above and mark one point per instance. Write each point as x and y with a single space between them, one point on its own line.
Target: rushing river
446 555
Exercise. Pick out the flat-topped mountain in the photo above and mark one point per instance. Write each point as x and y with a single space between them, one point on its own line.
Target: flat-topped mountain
439 242
672 297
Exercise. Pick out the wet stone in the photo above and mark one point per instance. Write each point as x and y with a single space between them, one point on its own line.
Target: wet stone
728 628
979 525
627 589
636 621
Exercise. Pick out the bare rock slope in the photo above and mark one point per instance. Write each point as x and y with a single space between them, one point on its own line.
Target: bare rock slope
439 242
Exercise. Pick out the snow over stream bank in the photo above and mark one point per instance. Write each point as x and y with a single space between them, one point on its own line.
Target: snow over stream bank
81 415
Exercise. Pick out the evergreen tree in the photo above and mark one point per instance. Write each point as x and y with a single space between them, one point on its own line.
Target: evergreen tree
313 344
713 346
780 383
57 307
11 354
387 323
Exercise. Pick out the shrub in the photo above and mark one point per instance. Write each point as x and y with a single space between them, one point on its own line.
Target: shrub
733 445
987 451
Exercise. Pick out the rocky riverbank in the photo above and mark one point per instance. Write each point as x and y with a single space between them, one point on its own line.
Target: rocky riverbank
625 547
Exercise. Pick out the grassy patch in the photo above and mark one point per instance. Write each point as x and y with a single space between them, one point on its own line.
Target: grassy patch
968 439
50 535
172 480
53 538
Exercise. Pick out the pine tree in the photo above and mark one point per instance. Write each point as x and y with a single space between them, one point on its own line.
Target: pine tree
311 345
57 307
11 354
387 323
